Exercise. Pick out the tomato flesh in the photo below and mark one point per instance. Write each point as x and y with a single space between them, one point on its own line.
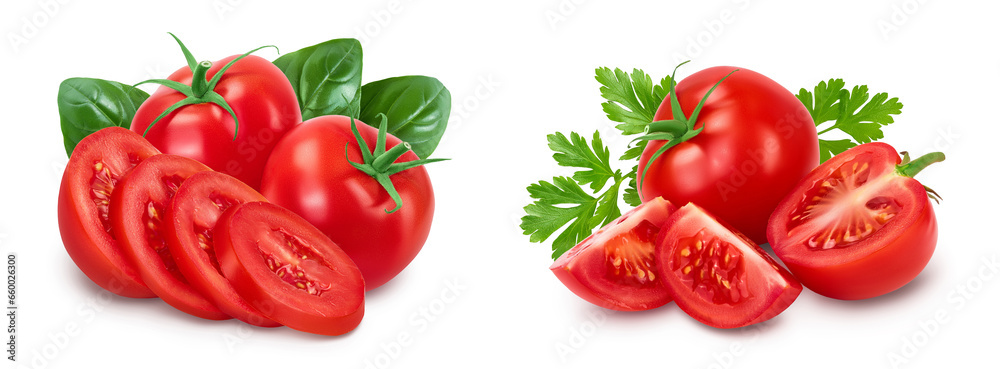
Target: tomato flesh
94 170
615 267
195 210
283 265
855 228
138 214
719 276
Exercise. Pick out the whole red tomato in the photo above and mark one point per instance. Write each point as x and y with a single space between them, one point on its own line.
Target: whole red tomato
260 96
310 174
859 225
757 142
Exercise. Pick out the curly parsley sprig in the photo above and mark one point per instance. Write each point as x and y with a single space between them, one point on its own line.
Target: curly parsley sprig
853 112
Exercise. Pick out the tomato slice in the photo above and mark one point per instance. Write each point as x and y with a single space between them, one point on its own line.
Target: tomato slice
98 163
856 226
196 208
614 268
717 275
138 212
282 264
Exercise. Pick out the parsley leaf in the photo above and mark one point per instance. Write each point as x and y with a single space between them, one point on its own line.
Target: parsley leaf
632 99
563 202
854 112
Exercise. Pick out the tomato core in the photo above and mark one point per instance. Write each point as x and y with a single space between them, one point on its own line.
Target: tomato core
712 268
628 261
295 263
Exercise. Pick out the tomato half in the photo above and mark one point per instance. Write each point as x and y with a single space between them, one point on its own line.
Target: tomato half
717 275
196 208
758 142
857 226
138 214
94 170
280 263
261 98
614 268
309 174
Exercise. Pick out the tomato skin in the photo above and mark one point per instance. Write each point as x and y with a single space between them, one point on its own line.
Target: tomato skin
878 263
138 215
193 214
89 242
260 96
250 236
308 174
585 268
758 142
766 289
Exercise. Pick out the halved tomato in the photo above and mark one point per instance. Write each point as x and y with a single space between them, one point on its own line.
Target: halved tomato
280 263
857 226
717 275
197 206
97 165
138 213
615 268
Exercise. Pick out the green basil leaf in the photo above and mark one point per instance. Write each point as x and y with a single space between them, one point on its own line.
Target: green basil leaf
416 107
326 77
87 105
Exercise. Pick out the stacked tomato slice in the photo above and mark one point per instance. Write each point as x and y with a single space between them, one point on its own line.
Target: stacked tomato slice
144 224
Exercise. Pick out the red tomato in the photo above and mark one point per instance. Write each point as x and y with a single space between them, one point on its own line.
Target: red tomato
138 208
614 268
857 226
99 161
758 142
281 263
309 174
717 275
196 208
260 96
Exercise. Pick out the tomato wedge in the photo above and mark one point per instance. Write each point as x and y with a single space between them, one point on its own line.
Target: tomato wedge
98 163
857 226
196 208
282 264
719 276
138 209
614 268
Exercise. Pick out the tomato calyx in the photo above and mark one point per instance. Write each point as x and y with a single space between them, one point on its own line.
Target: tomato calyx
380 163
910 168
201 90
676 130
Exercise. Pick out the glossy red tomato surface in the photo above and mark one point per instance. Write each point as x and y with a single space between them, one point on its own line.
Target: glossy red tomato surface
260 96
97 165
191 219
717 275
855 227
758 142
309 174
282 264
138 216
615 267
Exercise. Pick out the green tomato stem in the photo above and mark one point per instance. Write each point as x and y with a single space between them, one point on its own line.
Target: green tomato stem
199 80
910 169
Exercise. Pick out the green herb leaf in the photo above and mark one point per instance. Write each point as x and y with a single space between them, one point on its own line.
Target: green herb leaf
417 109
563 202
87 105
631 195
326 77
632 100
854 112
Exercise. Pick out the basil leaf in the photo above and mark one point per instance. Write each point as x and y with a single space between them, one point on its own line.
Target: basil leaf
416 107
87 105
326 77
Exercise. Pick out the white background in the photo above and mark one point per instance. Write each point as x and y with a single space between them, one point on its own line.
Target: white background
519 70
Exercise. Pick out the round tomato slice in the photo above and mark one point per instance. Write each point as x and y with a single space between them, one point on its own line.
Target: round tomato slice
138 212
857 226
282 264
98 163
717 275
196 208
614 268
